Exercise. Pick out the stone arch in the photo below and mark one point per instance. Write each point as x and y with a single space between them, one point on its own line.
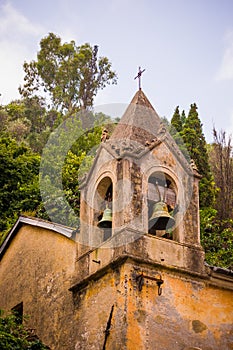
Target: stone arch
102 199
162 186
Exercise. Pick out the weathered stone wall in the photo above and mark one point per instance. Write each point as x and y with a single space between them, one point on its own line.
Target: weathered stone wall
36 269
101 314
108 307
189 314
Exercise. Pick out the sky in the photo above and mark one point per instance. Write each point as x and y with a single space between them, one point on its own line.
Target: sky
185 47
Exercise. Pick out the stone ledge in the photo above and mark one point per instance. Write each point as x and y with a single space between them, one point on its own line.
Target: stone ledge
82 283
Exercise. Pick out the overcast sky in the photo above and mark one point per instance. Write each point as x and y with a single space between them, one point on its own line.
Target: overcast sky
186 47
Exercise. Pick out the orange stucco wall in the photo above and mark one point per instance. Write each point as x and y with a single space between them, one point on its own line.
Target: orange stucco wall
190 313
106 306
36 269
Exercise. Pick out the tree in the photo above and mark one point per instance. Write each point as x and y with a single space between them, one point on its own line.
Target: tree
221 162
28 120
15 336
71 75
195 140
3 118
13 120
216 238
80 158
175 129
183 117
65 161
19 168
195 143
176 121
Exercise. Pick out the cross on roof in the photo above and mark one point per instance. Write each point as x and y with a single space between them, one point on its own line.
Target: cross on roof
139 77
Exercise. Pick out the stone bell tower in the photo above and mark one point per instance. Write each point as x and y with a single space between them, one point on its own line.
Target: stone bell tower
138 166
139 254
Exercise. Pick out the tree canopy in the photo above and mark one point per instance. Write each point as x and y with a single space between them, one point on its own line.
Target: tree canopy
176 120
69 75
196 145
19 168
215 164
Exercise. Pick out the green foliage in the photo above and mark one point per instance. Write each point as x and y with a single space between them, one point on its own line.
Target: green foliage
175 130
195 143
183 117
15 336
195 140
216 235
221 163
3 118
65 161
28 120
78 162
176 136
70 75
176 121
217 222
19 168
207 191
216 238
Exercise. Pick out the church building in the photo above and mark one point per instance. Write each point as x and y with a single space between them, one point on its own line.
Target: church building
133 276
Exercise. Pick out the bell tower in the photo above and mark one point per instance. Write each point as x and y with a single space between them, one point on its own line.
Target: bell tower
141 183
139 227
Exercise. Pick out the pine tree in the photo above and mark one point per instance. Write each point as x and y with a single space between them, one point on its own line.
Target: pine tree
183 117
195 142
175 130
176 120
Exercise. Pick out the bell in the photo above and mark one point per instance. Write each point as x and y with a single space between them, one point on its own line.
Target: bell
161 219
106 221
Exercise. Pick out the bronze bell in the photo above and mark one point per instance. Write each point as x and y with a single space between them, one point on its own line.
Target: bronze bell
106 221
161 219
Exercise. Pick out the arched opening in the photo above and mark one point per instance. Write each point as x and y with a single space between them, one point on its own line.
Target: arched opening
162 201
103 207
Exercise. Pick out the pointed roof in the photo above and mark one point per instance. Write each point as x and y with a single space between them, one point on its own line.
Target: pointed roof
140 122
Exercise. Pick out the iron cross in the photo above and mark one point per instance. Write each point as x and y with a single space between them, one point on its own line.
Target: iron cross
139 76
